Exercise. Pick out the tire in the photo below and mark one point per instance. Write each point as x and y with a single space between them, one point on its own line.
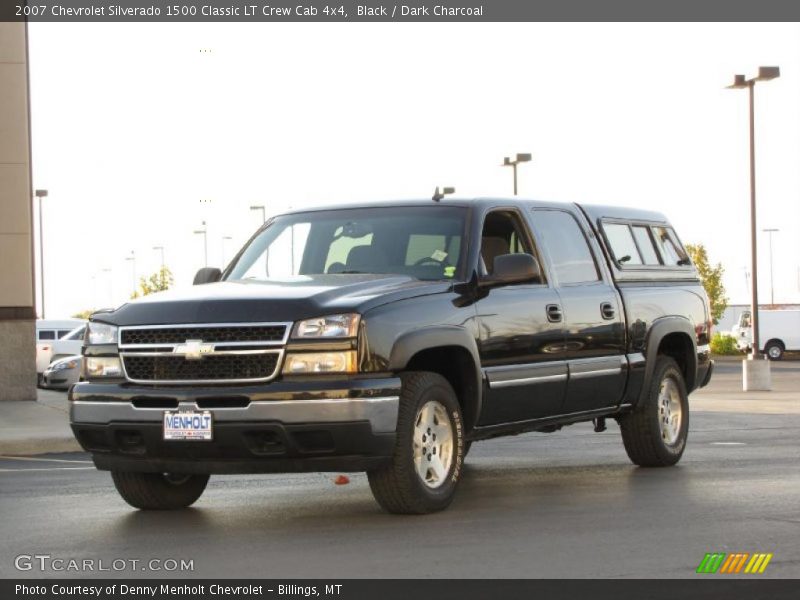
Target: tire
648 441
774 350
411 483
159 491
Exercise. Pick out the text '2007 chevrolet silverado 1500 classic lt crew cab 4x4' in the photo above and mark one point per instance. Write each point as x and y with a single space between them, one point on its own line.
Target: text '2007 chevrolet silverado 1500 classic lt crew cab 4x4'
388 338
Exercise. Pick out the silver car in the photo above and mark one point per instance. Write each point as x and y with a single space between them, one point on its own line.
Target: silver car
62 373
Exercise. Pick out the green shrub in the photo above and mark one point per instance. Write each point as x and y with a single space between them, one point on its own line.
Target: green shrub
724 344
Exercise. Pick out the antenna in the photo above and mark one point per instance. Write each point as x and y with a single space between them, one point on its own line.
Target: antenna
437 195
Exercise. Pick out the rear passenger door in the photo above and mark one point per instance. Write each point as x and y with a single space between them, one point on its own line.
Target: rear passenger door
592 311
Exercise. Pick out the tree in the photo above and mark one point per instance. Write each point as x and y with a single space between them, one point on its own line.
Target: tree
84 314
711 278
157 282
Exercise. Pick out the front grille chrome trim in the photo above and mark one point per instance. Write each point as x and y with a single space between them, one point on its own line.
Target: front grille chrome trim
270 377
287 325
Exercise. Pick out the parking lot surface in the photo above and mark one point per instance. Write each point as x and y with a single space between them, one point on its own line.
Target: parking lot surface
566 504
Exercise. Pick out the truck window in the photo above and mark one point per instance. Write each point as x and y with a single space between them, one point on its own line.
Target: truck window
502 234
563 240
392 240
340 249
623 247
645 243
671 250
47 334
744 320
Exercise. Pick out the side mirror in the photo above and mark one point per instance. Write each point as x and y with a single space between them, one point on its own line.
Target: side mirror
513 268
207 275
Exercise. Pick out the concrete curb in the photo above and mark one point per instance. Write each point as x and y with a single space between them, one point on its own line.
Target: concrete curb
32 447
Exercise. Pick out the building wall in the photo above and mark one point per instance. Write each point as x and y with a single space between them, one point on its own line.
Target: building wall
17 305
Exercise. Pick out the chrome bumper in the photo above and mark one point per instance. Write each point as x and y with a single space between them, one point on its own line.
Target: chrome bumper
380 412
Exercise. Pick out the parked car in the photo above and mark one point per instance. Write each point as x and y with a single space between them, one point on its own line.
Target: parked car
387 339
62 373
69 345
47 332
778 332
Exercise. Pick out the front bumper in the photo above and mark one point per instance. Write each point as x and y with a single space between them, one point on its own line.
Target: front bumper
287 426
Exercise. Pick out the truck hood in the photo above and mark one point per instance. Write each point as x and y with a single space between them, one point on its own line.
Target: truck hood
242 301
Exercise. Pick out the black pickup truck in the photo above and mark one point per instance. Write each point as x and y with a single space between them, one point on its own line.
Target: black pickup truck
388 338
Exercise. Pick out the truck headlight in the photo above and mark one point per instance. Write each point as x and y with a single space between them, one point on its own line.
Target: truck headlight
101 333
330 326
300 363
101 366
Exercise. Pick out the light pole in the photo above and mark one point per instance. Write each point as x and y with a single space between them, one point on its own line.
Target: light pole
754 378
132 258
263 212
771 278
204 232
225 238
521 158
41 194
110 287
161 248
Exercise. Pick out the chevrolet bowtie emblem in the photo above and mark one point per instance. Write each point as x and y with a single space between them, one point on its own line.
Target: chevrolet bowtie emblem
193 349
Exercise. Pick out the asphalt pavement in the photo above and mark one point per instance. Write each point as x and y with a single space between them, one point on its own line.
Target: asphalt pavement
561 505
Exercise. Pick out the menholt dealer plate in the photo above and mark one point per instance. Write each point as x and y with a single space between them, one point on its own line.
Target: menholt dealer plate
188 425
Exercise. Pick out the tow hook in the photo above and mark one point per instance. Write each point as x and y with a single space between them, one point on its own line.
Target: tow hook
599 424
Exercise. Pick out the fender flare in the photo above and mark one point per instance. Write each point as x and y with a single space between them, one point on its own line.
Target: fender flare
412 342
660 329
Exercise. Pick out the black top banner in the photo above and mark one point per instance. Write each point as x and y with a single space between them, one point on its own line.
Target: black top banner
420 11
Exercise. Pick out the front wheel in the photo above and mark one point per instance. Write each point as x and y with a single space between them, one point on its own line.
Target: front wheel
429 449
655 432
159 491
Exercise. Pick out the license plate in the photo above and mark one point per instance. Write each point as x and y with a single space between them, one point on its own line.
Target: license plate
188 425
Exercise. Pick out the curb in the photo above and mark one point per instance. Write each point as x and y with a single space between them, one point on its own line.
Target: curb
30 447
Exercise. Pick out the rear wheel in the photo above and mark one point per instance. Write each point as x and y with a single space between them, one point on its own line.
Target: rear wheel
159 491
429 449
774 350
655 433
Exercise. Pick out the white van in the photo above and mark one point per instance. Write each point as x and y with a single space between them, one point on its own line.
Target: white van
778 332
47 332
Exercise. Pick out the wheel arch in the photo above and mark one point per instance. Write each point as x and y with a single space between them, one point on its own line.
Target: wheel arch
673 337
452 353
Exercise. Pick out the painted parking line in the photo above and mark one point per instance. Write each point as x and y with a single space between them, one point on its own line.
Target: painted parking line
31 458
48 469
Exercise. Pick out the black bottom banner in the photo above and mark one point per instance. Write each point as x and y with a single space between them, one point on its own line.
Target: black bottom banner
401 589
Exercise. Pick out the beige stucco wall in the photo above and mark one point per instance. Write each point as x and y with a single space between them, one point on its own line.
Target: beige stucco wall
17 312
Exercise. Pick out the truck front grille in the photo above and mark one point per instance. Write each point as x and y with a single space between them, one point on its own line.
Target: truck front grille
213 368
207 353
209 334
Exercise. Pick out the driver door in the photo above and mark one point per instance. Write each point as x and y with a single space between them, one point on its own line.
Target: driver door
521 340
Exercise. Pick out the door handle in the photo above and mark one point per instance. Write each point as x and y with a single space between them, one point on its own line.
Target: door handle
607 310
554 313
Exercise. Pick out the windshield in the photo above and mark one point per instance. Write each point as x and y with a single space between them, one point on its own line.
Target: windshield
424 243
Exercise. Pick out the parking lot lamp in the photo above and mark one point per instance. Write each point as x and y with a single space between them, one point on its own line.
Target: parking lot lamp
521 158
263 212
160 248
132 258
204 232
771 277
225 238
41 194
756 374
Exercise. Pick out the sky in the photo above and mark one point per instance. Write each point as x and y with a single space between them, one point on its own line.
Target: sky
142 132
